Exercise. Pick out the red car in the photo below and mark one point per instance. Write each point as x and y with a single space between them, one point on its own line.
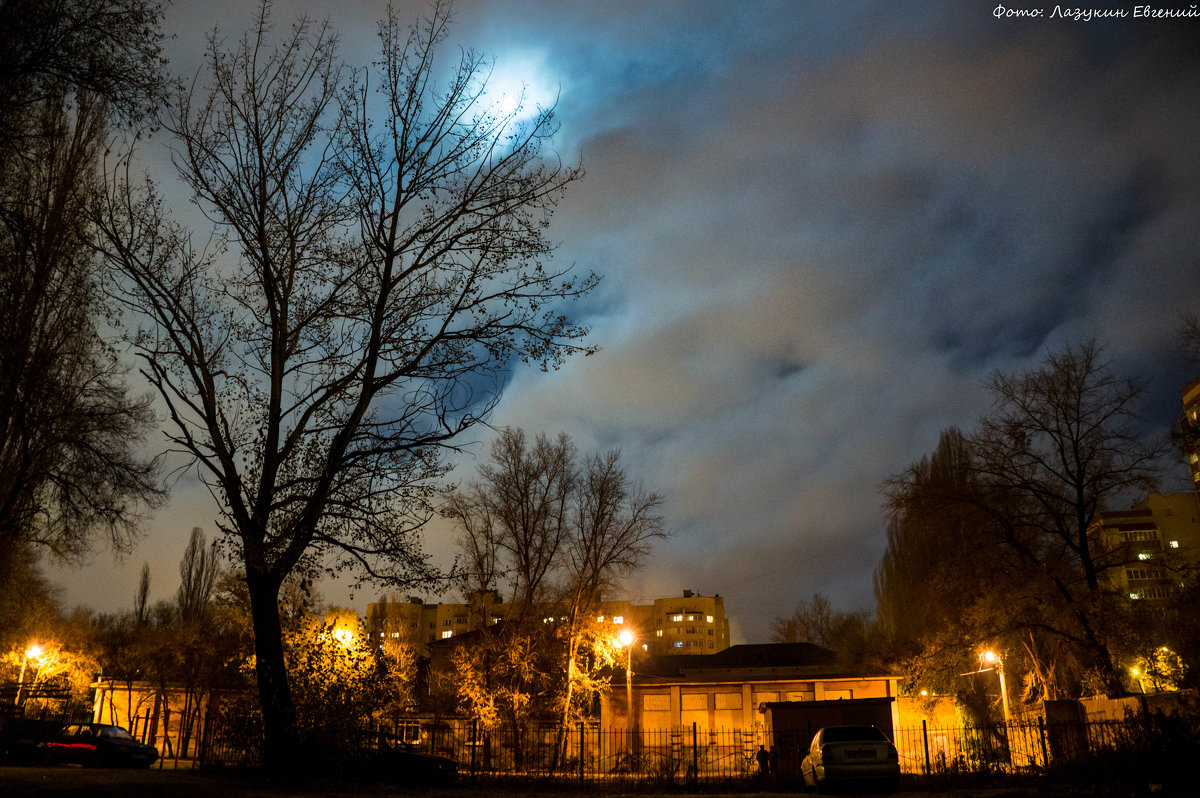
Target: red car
99 745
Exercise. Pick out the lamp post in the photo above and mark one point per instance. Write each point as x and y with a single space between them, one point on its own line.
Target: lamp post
627 638
992 658
33 652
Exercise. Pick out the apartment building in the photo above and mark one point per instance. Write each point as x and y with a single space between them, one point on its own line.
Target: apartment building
1147 551
686 624
1189 430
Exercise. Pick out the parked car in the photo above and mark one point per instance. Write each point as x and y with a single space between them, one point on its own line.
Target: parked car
850 755
98 745
413 768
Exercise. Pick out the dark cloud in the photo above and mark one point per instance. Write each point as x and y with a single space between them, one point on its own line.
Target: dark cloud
821 228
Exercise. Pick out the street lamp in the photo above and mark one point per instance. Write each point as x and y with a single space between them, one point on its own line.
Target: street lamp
993 659
33 652
626 639
1141 680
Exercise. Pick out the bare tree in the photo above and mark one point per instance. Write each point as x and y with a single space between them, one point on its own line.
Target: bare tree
514 521
1007 530
527 491
614 524
1187 337
478 573
1064 439
811 622
369 284
1061 445
564 529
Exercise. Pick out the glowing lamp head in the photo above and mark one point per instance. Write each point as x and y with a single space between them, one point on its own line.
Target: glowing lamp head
626 638
343 635
990 657
34 651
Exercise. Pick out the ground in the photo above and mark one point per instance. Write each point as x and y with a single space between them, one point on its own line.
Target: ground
47 782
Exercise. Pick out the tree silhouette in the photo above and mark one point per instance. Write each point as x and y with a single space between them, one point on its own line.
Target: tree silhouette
380 260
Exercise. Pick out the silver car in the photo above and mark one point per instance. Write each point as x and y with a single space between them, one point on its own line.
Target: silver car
851 754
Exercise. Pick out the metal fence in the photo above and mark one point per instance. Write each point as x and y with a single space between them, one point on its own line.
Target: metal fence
1035 746
584 752
587 754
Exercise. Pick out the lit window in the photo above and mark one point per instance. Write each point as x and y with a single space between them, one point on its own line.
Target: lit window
1174 544
676 618
710 619
679 644
1144 556
600 619
618 619
658 633
447 634
1134 596
691 617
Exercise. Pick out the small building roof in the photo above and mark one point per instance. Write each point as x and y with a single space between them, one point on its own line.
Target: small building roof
754 662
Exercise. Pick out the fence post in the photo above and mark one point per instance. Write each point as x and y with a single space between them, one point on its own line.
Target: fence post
695 756
925 738
1042 736
474 742
582 742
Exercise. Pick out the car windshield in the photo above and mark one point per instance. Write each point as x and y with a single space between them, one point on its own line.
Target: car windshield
114 733
847 734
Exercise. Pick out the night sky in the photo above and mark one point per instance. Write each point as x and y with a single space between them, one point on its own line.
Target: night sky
821 228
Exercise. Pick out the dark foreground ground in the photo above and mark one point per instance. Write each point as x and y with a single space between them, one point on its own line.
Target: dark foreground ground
40 782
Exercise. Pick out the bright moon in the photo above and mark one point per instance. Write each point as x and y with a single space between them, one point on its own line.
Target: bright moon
519 85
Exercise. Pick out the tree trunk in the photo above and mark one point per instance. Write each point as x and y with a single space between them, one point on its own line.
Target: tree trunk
281 736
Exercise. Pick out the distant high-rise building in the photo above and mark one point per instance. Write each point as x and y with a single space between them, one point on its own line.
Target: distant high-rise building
1189 430
1148 551
688 624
